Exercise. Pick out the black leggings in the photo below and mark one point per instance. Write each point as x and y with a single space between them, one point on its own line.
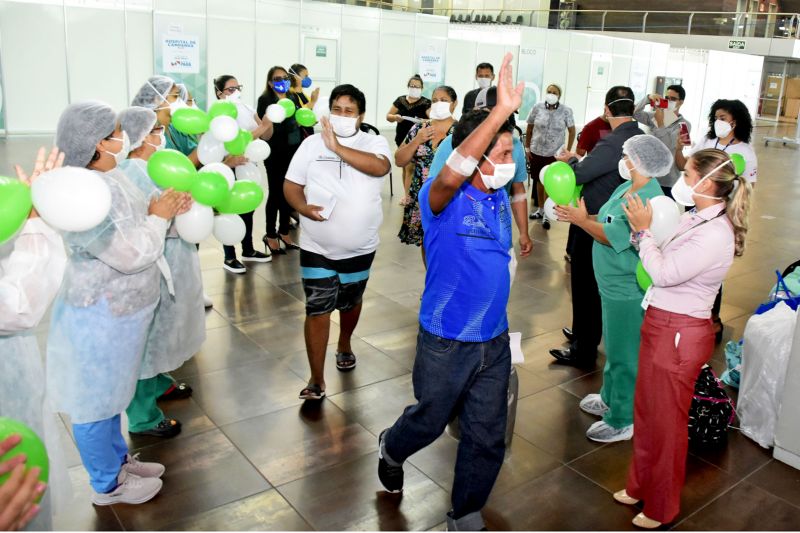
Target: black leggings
247 242
277 208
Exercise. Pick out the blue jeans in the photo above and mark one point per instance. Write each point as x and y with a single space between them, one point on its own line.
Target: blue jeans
103 451
468 380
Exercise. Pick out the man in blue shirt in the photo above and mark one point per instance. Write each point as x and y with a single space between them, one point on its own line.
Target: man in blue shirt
515 189
463 358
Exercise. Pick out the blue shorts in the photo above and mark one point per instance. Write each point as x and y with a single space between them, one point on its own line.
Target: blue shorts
332 284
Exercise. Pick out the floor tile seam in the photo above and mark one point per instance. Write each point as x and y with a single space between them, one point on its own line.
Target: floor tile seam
232 366
709 502
765 490
593 482
599 447
177 437
562 463
118 519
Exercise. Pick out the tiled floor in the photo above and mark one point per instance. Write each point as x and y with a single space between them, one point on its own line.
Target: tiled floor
251 456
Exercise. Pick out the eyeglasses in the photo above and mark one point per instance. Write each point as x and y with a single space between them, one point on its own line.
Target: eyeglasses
158 130
673 98
277 79
231 90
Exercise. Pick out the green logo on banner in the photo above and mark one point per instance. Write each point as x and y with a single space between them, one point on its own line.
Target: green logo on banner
322 50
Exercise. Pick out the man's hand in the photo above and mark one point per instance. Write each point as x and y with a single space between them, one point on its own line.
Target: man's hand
234 161
329 137
509 97
565 156
525 245
312 212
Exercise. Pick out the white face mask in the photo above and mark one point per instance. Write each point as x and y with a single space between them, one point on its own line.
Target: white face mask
722 128
234 97
440 110
551 98
484 83
343 126
672 105
414 92
503 173
122 155
624 171
162 143
684 194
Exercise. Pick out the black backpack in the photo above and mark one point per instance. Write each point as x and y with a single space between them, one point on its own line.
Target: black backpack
711 412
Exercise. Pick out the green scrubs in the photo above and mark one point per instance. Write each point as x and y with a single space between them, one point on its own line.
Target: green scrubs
621 298
143 411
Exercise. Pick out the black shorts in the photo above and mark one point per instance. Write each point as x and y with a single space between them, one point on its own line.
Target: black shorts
333 283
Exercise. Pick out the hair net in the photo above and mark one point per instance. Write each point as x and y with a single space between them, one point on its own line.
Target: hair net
153 93
184 91
137 122
81 126
649 155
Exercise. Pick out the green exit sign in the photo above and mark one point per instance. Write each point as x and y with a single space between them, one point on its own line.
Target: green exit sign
322 50
737 44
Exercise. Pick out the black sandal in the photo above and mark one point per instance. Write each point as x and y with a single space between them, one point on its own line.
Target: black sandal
312 392
178 391
166 429
273 251
288 245
345 361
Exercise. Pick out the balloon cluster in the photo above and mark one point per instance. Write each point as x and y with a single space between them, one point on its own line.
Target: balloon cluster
89 201
285 109
30 445
559 182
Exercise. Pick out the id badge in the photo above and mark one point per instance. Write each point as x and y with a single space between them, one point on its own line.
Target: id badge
648 296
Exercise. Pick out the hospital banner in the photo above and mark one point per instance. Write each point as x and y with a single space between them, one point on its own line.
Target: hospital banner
180 51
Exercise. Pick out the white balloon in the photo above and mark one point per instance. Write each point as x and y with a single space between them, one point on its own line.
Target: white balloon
71 198
276 113
666 217
210 149
224 128
248 172
550 209
196 224
257 150
541 174
220 168
321 107
229 229
244 117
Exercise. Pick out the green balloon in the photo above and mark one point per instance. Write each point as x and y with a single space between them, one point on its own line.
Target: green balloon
642 277
15 206
221 107
288 106
210 188
577 196
559 182
243 198
190 121
738 163
170 168
239 144
31 445
305 117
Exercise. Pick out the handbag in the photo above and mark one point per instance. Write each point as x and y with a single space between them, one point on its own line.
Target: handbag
711 412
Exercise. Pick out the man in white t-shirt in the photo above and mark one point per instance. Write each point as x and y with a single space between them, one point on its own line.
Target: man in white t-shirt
334 182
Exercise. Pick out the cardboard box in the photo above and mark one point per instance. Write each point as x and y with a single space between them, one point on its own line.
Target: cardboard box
791 108
773 88
792 88
769 108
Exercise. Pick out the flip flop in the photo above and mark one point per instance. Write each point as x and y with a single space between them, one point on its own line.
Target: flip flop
345 361
312 392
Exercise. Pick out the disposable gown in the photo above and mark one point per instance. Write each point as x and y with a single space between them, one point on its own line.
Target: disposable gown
178 330
31 269
102 314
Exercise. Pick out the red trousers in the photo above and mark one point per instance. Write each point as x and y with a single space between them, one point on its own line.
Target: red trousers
668 368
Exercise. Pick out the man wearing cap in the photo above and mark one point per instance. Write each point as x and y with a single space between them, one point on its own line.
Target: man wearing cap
598 173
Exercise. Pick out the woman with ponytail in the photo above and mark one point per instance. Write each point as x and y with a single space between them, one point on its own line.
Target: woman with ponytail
677 336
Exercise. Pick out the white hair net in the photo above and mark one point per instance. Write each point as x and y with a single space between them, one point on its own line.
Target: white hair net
154 92
649 155
184 92
81 126
137 122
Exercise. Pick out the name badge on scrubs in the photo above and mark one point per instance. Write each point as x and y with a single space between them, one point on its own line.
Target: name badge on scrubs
648 296
609 219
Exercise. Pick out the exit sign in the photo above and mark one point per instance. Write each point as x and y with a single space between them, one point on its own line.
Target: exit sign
737 44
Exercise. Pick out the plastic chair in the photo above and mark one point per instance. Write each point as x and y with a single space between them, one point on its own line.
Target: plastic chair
489 19
452 18
508 19
519 19
372 130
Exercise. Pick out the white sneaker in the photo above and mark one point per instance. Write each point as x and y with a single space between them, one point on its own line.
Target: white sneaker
602 432
131 489
139 468
594 405
207 301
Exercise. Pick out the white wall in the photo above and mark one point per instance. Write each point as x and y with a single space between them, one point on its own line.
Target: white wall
107 53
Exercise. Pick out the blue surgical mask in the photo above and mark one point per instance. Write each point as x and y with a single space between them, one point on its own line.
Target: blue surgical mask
281 87
306 83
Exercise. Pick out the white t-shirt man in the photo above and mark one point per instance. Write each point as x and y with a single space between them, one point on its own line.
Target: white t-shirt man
750 159
352 227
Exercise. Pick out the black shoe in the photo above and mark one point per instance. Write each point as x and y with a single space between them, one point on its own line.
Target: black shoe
166 429
274 251
391 476
235 266
536 215
256 257
288 245
567 357
545 223
178 391
568 333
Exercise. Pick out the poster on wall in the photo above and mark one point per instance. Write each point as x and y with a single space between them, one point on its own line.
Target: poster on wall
531 71
430 67
180 53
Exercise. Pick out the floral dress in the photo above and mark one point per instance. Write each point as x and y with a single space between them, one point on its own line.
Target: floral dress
411 228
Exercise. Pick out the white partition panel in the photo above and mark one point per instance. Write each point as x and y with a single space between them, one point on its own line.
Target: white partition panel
460 73
34 66
97 72
397 52
640 68
231 50
622 51
139 49
277 38
361 47
579 69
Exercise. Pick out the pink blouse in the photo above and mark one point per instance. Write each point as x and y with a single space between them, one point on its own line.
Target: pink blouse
688 272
